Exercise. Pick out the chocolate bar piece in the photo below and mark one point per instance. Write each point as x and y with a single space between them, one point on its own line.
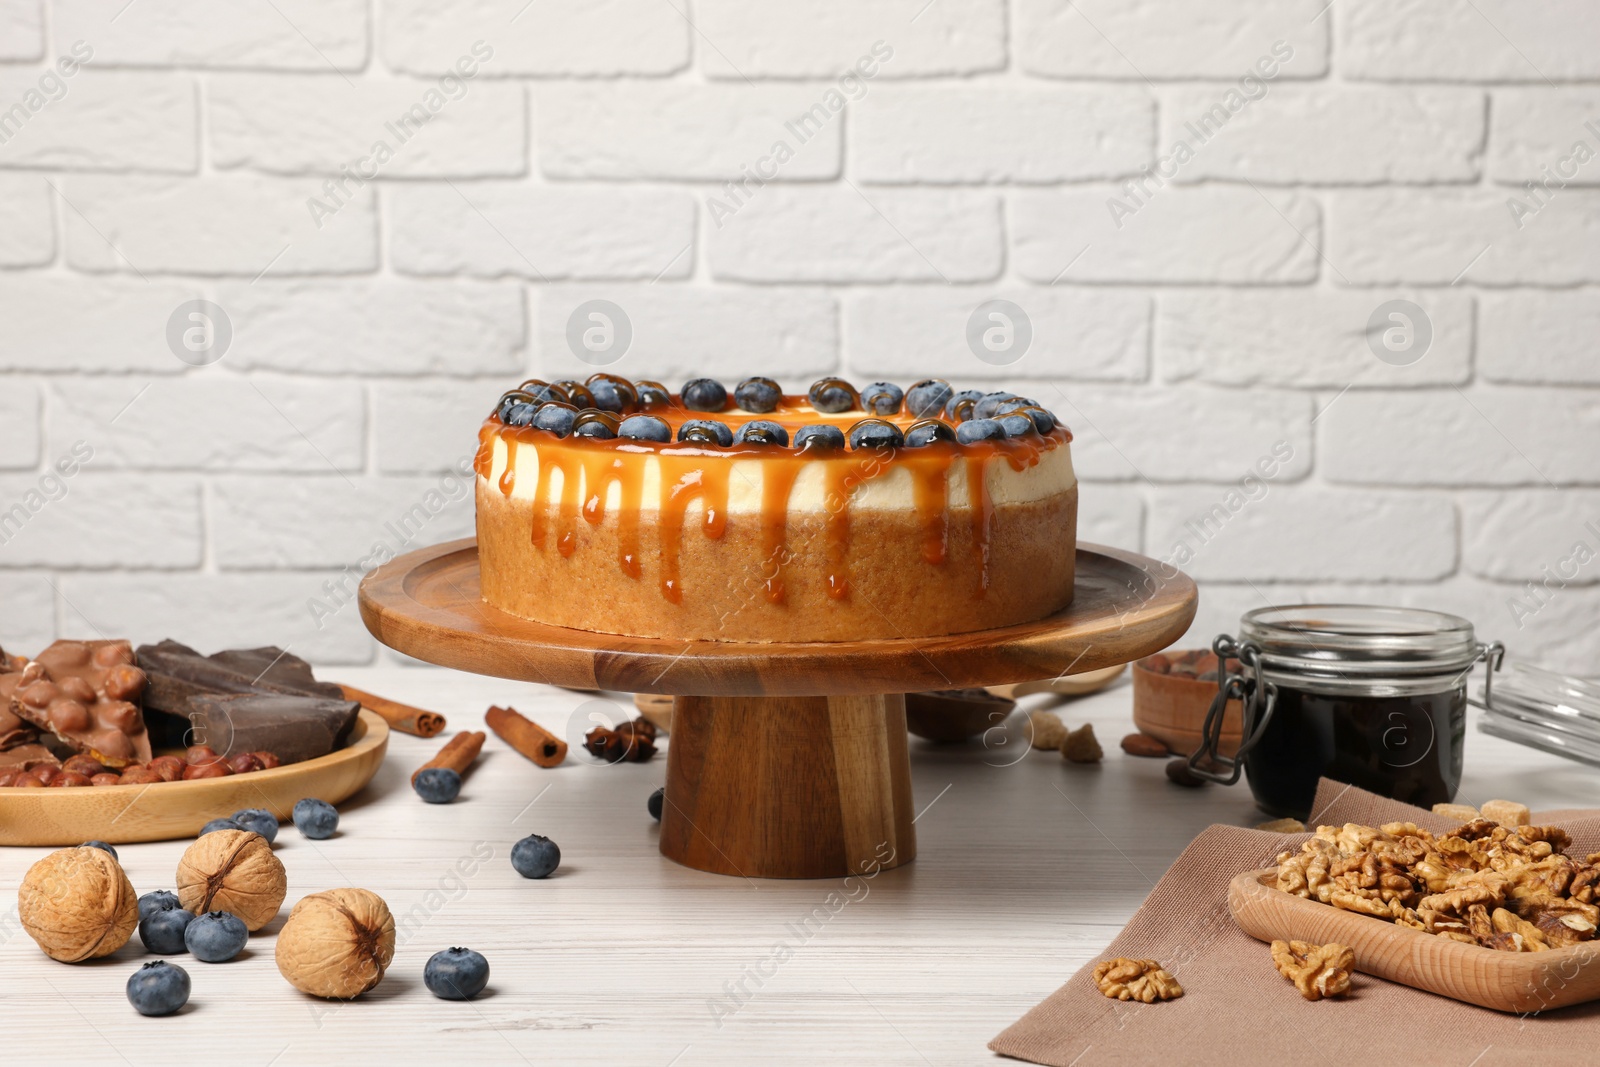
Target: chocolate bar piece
178 674
86 693
244 700
14 730
293 728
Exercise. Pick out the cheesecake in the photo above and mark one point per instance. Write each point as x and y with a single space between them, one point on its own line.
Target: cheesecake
752 515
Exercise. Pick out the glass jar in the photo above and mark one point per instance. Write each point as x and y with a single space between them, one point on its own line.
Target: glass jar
1372 696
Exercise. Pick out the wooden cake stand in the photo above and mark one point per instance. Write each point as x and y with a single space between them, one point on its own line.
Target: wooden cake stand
786 760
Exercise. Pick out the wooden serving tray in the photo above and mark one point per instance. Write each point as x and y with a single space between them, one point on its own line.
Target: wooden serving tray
165 810
1520 982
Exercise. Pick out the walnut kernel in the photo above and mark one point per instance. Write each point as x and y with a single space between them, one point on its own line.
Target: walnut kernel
1316 970
1141 980
1047 728
1080 746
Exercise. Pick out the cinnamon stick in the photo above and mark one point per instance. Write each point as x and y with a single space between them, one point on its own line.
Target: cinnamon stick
402 717
526 736
457 754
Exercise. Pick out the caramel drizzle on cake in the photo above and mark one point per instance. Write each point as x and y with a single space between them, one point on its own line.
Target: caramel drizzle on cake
691 472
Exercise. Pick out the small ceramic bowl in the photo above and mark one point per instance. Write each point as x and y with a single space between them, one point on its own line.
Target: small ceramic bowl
1171 693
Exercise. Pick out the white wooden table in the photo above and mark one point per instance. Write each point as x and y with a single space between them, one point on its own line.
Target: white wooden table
1026 869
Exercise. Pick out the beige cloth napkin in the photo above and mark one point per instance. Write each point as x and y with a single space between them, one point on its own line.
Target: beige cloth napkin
1237 1010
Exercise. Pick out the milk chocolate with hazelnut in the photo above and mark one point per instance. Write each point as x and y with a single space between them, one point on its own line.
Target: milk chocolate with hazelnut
14 730
86 693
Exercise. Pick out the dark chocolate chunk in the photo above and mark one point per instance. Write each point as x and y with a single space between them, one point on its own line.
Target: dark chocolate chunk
293 728
243 700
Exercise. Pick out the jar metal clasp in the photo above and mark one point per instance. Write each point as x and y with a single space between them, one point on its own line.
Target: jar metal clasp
1257 697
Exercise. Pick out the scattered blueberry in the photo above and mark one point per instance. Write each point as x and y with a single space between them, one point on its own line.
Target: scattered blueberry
159 900
762 432
645 428
456 974
158 988
216 936
759 395
218 824
927 432
613 394
535 856
317 819
556 417
704 394
438 785
1017 424
653 395
989 405
876 433
595 423
103 846
832 395
974 430
882 398
655 803
1043 421
928 397
520 415
959 407
163 931
258 820
821 436
705 432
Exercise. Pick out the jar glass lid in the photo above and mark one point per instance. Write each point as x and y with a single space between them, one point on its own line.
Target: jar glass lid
1546 711
1361 646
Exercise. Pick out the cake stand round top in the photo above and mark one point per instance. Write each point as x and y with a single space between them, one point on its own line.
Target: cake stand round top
427 604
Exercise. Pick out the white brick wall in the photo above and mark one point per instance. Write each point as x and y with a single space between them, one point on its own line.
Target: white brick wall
801 188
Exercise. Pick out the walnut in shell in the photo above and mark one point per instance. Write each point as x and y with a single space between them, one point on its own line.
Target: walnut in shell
337 943
233 871
1316 970
78 904
1141 980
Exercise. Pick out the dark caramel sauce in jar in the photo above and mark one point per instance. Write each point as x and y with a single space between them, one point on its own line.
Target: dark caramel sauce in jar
1409 748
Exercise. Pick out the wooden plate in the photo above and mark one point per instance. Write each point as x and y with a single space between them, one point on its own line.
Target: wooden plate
1520 982
166 810
427 604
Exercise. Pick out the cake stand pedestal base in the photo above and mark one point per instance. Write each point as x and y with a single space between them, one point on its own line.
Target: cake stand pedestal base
788 787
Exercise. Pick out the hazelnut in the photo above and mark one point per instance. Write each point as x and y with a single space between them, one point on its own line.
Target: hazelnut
68 778
8 776
27 781
218 769
1145 745
45 772
78 904
336 943
244 763
169 768
138 776
233 870
85 765
123 682
200 754
268 760
108 778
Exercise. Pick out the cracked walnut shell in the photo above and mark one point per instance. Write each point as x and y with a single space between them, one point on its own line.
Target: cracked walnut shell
337 943
1316 970
78 904
233 871
1141 980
